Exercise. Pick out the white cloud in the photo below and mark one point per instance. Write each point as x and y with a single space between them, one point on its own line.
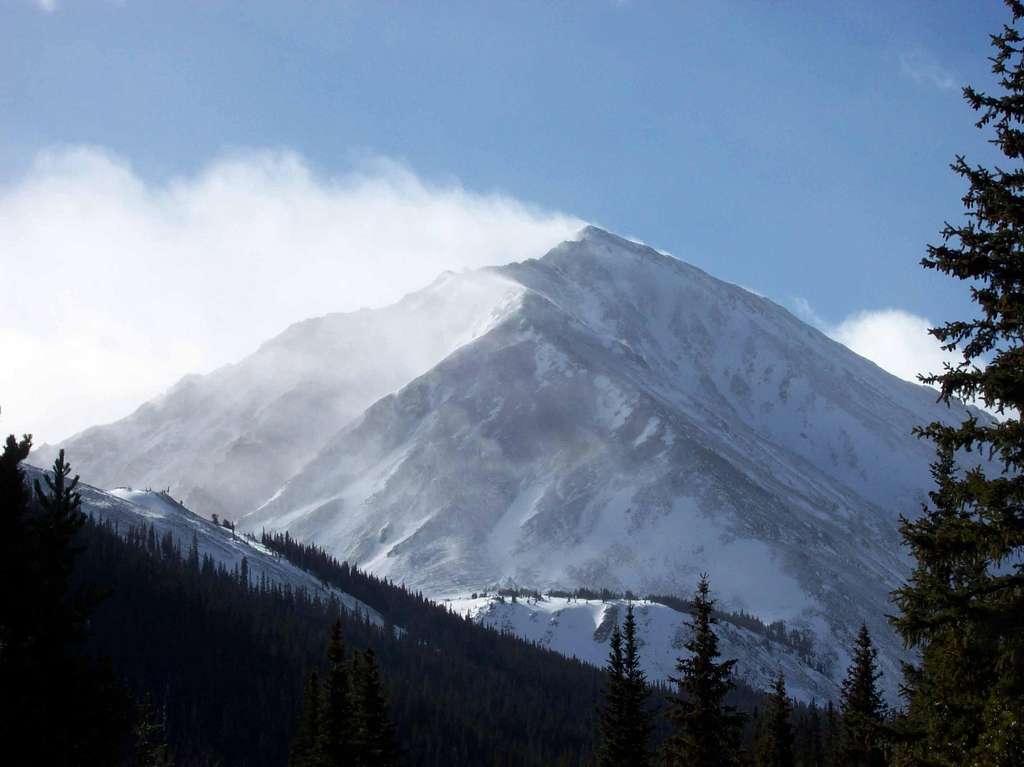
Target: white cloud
895 340
47 6
113 287
922 68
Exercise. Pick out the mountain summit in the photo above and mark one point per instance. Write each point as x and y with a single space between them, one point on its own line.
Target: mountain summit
604 416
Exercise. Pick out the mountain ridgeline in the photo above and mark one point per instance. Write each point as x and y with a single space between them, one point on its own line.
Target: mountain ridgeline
217 634
606 416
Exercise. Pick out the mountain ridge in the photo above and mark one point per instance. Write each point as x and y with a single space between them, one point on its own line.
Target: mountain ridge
604 416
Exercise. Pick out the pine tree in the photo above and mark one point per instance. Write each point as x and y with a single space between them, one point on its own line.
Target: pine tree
305 747
68 710
831 738
638 721
625 722
963 608
612 749
59 520
14 544
17 629
193 553
705 731
775 742
863 710
150 747
335 737
812 751
374 742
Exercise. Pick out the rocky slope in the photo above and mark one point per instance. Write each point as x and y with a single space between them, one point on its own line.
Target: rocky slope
605 416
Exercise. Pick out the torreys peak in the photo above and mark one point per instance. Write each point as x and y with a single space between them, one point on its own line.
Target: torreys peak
603 416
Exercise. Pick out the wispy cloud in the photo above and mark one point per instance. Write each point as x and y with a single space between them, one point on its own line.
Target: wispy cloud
895 340
113 287
47 6
923 68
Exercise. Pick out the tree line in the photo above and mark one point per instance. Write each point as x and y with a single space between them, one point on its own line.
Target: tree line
117 649
705 730
962 610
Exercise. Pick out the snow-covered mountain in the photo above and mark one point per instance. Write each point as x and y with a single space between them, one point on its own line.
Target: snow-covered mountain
226 441
605 416
580 628
126 508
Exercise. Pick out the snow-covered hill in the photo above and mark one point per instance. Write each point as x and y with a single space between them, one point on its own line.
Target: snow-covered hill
580 628
605 416
226 441
126 508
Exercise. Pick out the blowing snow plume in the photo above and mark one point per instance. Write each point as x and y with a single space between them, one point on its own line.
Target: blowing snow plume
162 278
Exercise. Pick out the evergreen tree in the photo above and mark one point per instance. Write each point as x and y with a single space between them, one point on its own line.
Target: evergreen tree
15 563
193 553
17 629
863 710
150 747
963 607
335 736
810 747
638 721
625 722
59 519
62 706
612 751
305 748
831 738
705 731
373 734
775 741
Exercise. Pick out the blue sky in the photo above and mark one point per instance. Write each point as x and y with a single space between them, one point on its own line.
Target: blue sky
798 149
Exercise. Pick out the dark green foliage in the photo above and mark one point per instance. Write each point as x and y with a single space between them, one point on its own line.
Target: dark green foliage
705 731
334 744
775 739
305 746
963 608
612 750
228 665
150 747
65 707
373 733
345 721
832 738
810 747
625 724
15 567
863 710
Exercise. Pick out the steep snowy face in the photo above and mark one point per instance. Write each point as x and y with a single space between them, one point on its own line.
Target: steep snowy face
736 362
126 509
629 423
225 442
605 416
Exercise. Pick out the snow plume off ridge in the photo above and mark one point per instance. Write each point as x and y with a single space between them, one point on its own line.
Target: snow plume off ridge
606 416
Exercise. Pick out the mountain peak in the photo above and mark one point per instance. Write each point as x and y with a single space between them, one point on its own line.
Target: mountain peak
597 235
593 243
